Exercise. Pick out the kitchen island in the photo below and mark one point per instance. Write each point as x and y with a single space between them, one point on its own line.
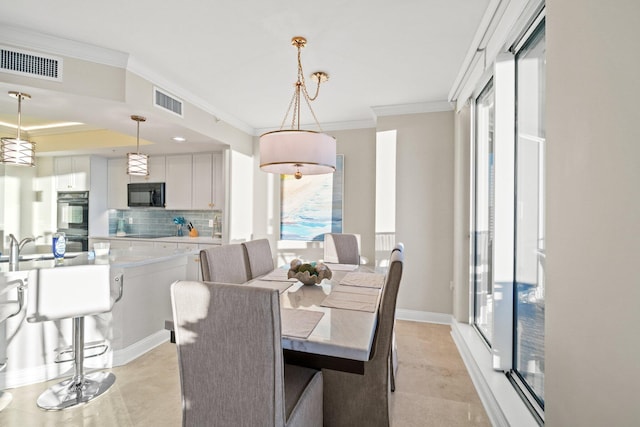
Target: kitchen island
134 326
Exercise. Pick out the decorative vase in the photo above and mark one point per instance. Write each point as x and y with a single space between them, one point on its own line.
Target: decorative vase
179 233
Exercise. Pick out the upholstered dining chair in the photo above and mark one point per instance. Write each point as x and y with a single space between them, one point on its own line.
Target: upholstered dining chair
363 400
225 263
393 359
259 256
230 360
341 248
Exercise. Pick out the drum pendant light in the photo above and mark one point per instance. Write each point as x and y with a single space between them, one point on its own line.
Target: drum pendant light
295 151
138 163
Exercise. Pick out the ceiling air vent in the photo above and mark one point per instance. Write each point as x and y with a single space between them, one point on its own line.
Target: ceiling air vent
30 64
167 102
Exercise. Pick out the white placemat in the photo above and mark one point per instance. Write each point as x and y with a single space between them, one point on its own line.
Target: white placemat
278 275
271 284
341 267
299 323
351 301
367 280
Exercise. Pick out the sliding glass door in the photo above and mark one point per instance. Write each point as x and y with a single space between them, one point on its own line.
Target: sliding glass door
484 211
529 290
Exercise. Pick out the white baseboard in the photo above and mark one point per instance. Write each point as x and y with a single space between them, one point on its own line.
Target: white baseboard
127 354
501 401
424 316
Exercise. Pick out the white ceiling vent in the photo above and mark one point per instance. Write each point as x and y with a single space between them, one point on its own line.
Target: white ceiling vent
30 64
167 102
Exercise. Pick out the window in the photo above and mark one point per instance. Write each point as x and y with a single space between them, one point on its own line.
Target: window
484 212
508 214
528 334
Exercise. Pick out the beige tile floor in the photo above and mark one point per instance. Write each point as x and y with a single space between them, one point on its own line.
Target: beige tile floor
432 389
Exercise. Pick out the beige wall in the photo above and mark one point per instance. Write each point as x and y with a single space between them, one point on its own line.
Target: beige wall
593 213
424 209
424 204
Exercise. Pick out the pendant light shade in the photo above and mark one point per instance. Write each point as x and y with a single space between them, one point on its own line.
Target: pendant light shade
296 151
138 163
289 152
18 151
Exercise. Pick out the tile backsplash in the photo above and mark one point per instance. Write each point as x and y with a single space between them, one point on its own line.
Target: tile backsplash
159 222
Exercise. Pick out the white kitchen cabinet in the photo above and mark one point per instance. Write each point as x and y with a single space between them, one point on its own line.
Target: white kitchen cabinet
117 183
72 173
165 245
178 183
157 170
207 186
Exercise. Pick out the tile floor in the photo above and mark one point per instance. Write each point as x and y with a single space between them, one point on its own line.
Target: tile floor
432 389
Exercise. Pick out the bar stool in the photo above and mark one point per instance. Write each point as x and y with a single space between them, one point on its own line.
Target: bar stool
8 309
73 292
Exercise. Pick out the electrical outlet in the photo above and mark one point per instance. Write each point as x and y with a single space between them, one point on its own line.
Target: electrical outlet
130 220
210 223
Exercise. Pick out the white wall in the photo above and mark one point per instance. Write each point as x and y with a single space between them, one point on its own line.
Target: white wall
593 214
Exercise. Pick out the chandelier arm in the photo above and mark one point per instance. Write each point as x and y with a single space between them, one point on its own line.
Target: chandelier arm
284 119
313 113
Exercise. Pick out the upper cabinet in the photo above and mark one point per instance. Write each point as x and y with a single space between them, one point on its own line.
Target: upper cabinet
192 181
72 173
207 183
118 180
178 183
157 170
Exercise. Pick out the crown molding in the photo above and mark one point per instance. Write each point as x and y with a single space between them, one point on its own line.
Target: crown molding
420 107
28 39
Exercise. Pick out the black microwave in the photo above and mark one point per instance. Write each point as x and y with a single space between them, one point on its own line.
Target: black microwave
146 194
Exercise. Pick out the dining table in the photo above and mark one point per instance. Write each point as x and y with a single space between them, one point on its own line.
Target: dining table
331 324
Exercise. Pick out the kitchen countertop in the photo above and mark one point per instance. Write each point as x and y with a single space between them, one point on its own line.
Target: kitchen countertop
172 239
120 258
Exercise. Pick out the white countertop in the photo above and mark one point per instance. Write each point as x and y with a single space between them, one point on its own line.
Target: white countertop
121 258
204 240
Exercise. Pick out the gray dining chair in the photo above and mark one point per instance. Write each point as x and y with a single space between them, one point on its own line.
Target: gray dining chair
393 359
341 248
363 400
225 263
230 360
260 257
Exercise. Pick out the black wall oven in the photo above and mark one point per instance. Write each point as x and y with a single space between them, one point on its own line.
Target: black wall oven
73 219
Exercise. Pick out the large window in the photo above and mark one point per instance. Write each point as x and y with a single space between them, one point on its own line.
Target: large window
508 214
484 211
528 338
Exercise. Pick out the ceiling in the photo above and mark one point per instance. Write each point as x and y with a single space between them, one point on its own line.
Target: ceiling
236 57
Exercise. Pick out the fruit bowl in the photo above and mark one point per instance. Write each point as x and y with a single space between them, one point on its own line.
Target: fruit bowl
308 273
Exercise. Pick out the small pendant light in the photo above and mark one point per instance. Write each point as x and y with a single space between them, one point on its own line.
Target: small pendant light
138 163
17 151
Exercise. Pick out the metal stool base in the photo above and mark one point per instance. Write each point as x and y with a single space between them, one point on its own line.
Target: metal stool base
69 393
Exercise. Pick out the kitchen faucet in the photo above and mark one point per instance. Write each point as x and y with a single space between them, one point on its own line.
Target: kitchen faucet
15 247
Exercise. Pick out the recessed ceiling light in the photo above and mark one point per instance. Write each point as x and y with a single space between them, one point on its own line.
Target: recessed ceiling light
179 139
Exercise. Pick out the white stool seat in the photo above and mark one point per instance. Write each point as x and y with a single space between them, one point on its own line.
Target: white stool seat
72 292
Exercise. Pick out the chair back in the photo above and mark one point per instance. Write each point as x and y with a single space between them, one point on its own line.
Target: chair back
387 310
259 256
225 263
341 248
229 354
70 291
